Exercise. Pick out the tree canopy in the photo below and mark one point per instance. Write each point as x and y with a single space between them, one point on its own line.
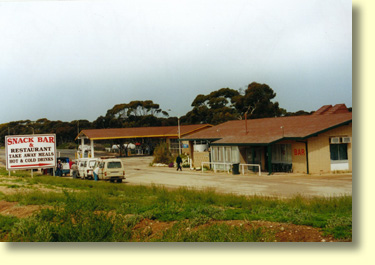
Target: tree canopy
228 104
136 108
134 114
256 102
214 108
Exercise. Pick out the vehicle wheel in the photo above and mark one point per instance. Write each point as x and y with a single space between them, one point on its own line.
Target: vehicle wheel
119 181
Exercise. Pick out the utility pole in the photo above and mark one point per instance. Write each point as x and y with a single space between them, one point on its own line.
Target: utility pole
179 136
179 133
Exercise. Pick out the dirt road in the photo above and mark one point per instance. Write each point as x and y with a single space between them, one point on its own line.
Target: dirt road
139 171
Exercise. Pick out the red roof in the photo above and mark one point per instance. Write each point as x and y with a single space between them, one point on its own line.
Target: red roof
269 130
141 132
328 109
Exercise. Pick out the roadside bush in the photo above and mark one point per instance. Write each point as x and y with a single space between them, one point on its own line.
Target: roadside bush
185 160
162 154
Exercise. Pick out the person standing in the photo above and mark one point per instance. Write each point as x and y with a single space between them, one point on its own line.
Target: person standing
59 169
179 161
96 172
74 169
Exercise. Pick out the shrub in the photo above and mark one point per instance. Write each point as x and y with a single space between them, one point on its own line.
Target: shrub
162 154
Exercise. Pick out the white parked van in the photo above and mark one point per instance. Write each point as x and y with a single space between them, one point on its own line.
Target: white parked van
86 167
81 163
111 169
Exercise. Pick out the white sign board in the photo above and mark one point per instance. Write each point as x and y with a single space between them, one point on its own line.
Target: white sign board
30 151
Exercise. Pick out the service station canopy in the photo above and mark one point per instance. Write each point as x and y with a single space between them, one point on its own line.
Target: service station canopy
141 132
162 132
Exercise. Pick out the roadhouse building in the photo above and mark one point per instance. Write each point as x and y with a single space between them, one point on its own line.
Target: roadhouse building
143 138
316 143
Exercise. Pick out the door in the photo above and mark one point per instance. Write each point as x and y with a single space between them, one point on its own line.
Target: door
254 156
101 170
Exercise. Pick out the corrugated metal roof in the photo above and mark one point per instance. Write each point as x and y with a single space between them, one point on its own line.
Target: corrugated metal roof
141 132
269 130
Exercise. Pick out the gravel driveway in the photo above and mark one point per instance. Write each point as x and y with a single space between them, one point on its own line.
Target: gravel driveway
139 171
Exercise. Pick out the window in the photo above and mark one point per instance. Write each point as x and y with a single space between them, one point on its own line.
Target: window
235 154
228 157
200 142
174 145
339 151
220 154
214 153
282 153
114 165
227 154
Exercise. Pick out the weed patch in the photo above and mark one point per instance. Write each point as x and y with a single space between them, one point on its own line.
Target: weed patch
78 221
182 232
88 211
6 224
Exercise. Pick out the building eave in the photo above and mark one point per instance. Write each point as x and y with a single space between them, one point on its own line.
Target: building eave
326 130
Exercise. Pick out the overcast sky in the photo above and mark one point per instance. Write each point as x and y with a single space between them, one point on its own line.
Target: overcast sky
69 60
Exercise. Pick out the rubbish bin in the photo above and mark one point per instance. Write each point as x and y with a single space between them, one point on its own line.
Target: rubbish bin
236 169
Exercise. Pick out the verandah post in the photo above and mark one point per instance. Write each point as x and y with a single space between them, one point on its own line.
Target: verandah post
269 150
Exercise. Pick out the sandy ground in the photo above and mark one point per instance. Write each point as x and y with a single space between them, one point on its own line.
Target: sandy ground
139 172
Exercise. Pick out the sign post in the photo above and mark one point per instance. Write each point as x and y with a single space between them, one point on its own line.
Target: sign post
30 151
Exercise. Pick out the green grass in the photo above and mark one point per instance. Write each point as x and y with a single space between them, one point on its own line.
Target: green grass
81 208
181 232
6 225
15 173
77 221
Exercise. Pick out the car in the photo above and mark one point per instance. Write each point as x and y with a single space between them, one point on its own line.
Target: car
110 169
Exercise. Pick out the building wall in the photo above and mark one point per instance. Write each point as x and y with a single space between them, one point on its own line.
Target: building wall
243 159
185 150
318 152
174 149
200 157
319 149
299 157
